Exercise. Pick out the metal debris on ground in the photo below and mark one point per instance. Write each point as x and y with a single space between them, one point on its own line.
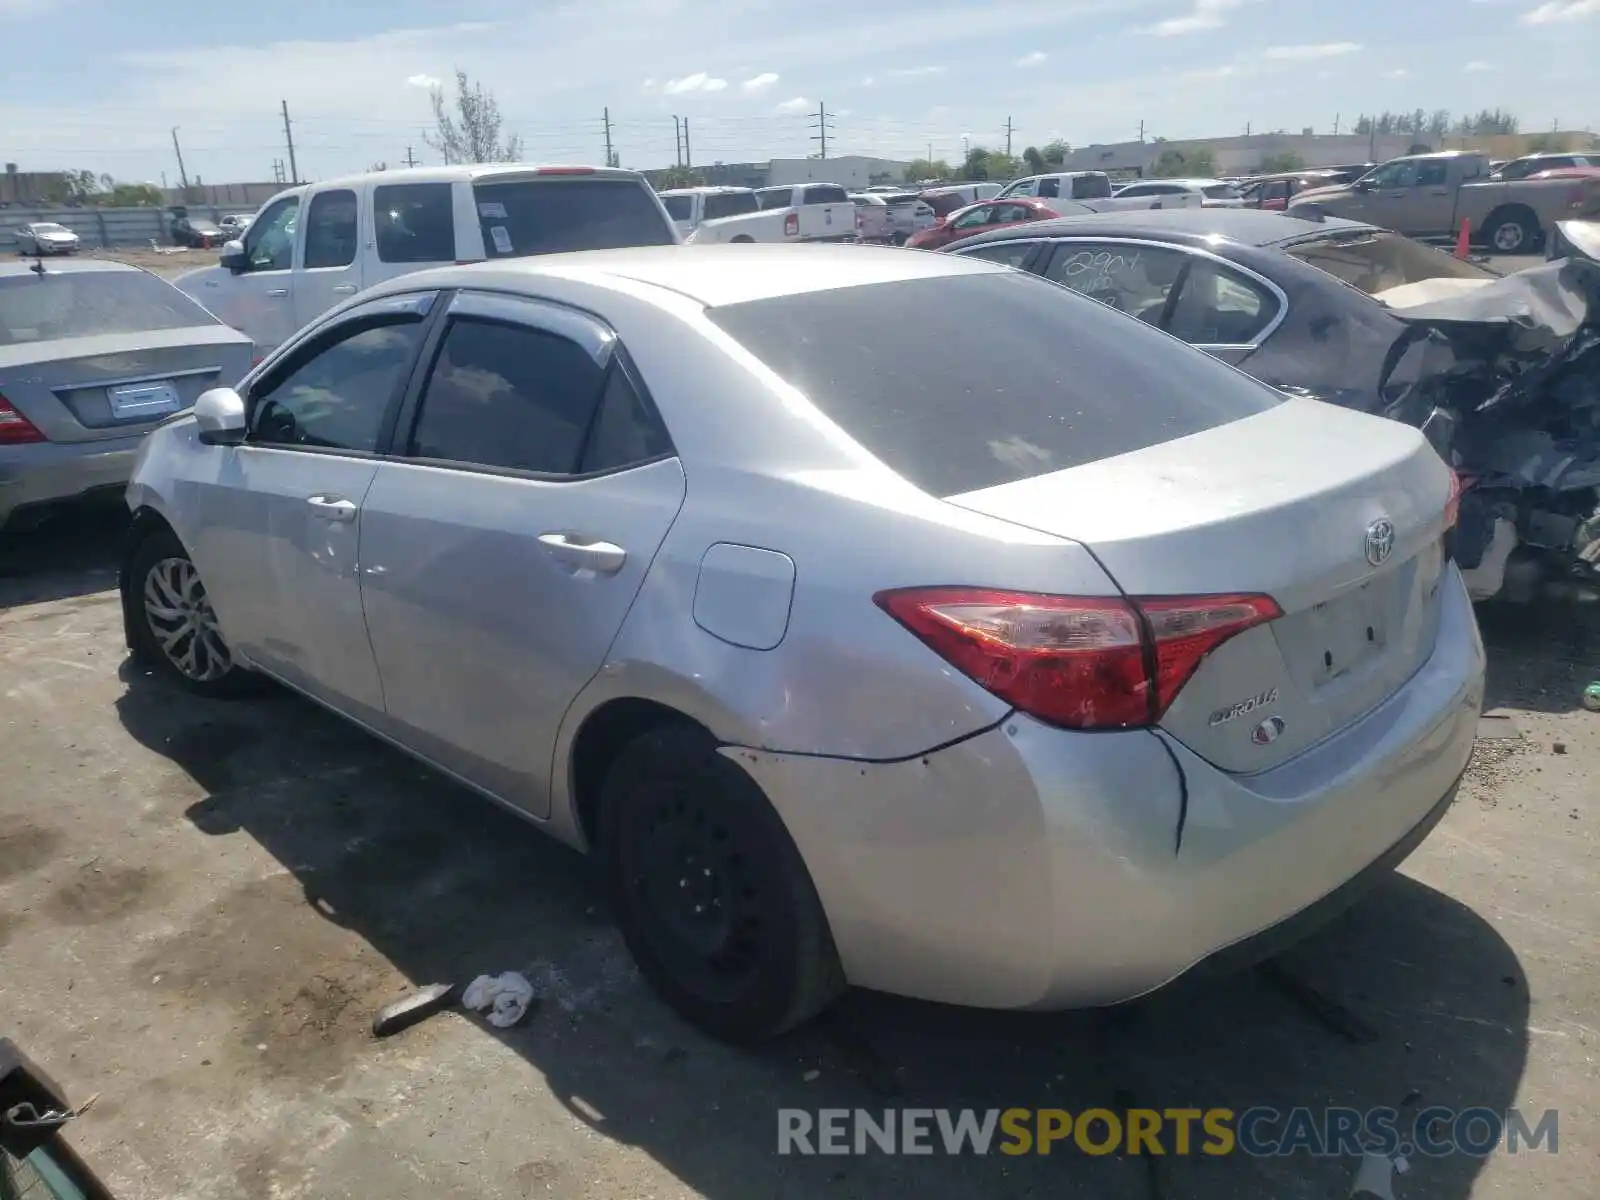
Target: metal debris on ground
412 1009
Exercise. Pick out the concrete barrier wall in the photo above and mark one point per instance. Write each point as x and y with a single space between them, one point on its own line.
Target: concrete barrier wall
106 228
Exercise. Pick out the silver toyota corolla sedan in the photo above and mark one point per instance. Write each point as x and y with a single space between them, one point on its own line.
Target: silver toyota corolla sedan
877 618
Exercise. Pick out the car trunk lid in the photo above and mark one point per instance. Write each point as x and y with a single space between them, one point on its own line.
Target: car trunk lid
117 385
1336 516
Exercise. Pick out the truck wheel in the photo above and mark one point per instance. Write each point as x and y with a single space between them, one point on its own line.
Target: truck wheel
1511 231
743 237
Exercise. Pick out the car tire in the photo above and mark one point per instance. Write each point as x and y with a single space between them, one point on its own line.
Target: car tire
165 596
710 892
743 237
1511 232
899 239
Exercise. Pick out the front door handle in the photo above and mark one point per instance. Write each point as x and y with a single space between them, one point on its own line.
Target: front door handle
277 291
332 508
602 558
344 289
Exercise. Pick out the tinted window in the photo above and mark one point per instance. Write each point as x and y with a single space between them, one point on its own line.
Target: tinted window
1011 254
825 194
1004 213
943 204
1377 261
269 243
774 197
1220 307
965 382
973 218
336 394
729 204
1220 191
1431 174
1130 278
1049 187
506 396
679 208
1091 187
551 216
1141 189
626 429
331 229
1398 174
414 223
69 304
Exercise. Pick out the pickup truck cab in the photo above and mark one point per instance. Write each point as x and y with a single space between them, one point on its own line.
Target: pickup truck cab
688 207
1430 195
1064 185
803 212
312 246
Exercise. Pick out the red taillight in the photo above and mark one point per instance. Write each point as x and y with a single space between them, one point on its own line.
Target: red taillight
1080 662
16 429
791 225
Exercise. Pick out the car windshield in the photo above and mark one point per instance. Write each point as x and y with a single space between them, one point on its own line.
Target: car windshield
679 208
1220 191
967 381
729 204
74 304
550 216
1378 260
50 227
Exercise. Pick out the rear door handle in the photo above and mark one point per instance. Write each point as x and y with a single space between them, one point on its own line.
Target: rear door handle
332 508
603 558
277 291
344 289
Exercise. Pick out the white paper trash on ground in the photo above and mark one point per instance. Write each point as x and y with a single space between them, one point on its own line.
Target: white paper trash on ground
506 997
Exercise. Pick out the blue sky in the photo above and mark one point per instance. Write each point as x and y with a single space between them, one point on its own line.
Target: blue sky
96 84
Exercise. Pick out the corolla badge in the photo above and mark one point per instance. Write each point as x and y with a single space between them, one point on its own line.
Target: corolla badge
1380 541
1267 732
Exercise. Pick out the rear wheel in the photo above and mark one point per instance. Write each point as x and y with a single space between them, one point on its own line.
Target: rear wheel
743 237
1513 231
710 892
173 625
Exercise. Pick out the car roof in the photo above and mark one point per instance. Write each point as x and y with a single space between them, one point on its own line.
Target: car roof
1249 226
469 171
24 266
712 275
702 191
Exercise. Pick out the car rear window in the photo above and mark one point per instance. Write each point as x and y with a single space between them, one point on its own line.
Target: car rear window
550 216
826 193
74 304
970 381
679 208
1220 191
729 204
1377 261
1091 187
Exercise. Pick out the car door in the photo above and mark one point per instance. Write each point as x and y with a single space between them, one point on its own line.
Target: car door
504 542
1432 203
259 299
330 267
280 547
1388 197
826 212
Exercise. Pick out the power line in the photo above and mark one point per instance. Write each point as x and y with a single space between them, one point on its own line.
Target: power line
824 123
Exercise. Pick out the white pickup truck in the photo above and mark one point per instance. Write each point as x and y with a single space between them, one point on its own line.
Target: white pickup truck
805 212
690 207
1094 189
311 247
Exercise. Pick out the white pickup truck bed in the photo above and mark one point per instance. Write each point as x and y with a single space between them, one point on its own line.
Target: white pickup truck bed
805 212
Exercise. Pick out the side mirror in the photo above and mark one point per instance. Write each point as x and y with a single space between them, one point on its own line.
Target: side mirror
232 256
219 414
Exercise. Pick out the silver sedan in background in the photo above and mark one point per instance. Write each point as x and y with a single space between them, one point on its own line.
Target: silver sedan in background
891 619
93 355
46 237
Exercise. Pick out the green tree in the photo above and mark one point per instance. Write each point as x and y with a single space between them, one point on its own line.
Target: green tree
133 195
1034 160
677 177
1200 163
472 135
1282 163
919 169
1055 153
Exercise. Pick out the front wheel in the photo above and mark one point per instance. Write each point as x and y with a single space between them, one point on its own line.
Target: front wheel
173 625
710 892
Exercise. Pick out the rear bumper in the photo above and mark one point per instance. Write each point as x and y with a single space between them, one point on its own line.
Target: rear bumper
48 472
1027 867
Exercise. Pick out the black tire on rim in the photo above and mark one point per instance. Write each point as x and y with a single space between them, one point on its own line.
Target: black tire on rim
710 892
1512 233
173 624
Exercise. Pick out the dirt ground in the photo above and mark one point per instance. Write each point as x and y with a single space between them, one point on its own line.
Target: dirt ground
202 905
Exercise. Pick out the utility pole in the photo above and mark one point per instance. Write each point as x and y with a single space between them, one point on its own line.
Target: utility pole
1335 124
1247 129
1008 137
822 126
677 142
411 159
288 136
183 176
688 159
930 152
605 115
1141 133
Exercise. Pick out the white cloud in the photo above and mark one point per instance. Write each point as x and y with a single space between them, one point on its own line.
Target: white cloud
426 82
1561 10
648 84
1206 14
1036 59
798 104
759 83
1401 72
1477 66
915 72
1316 50
698 82
868 81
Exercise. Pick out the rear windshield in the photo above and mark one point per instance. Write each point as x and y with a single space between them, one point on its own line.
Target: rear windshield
1220 191
970 381
729 204
1377 261
549 216
1091 187
73 304
679 208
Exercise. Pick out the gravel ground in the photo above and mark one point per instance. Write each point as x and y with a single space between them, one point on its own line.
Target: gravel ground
202 905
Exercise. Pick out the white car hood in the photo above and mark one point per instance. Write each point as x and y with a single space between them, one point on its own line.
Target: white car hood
1427 291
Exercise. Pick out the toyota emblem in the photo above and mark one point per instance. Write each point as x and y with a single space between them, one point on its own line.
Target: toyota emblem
1380 541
